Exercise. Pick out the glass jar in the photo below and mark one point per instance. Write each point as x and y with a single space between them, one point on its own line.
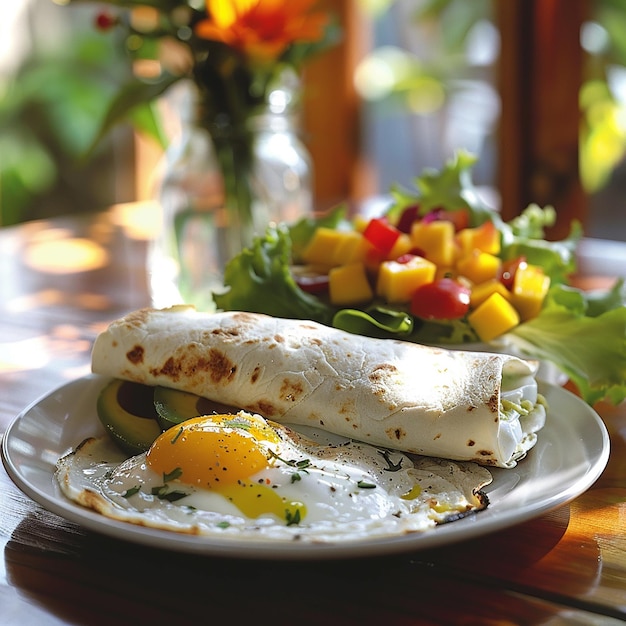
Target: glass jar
217 192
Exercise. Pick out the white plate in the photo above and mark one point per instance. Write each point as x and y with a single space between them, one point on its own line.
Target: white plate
571 453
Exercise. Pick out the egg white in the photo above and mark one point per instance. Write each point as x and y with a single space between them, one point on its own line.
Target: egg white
348 491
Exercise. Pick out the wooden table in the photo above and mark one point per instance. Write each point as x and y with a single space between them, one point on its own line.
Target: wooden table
568 566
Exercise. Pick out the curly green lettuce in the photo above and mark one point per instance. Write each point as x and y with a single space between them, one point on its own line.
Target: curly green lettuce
259 280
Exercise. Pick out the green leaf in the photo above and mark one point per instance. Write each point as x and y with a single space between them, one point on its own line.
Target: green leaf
450 188
375 322
523 236
259 280
590 350
132 95
146 119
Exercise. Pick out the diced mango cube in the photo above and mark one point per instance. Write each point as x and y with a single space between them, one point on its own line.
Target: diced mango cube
402 246
494 317
483 290
373 259
322 246
530 287
397 281
329 247
478 266
436 240
348 285
485 237
359 222
350 248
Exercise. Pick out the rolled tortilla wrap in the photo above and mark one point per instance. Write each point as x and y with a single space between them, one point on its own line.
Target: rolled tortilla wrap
401 395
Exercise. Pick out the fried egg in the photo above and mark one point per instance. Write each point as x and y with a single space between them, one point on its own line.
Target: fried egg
246 477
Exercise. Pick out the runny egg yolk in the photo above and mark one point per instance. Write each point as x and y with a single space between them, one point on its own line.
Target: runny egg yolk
221 453
213 451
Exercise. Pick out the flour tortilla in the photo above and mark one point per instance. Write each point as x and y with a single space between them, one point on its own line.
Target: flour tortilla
401 395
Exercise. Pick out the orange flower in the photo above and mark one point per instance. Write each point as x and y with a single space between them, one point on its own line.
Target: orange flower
261 29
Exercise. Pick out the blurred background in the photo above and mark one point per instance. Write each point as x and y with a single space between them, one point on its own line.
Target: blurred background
535 88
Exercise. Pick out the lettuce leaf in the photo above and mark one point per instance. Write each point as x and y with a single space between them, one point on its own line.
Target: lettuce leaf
584 335
259 280
387 322
524 235
450 189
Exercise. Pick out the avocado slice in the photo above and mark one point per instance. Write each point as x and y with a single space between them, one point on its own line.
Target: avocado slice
174 406
126 410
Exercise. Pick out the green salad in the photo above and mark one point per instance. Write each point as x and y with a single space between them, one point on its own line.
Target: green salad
582 333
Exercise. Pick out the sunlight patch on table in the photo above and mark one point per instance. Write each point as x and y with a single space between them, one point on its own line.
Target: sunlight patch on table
138 220
45 297
66 256
23 355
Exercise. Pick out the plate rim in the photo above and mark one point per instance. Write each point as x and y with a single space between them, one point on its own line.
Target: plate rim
468 528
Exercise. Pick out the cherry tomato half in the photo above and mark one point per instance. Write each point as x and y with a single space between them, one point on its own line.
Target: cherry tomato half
507 273
443 299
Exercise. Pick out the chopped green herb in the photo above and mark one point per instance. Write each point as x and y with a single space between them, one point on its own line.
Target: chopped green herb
131 492
293 519
163 493
177 472
302 465
177 435
223 524
364 485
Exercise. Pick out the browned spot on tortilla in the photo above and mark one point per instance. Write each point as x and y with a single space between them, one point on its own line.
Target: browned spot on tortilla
315 341
138 318
471 408
492 462
225 332
135 355
494 403
170 369
218 365
188 364
396 433
348 407
114 343
264 408
484 453
255 374
437 436
244 316
471 442
279 339
381 372
291 390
